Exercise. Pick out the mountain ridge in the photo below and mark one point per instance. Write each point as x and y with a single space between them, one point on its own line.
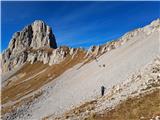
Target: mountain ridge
39 37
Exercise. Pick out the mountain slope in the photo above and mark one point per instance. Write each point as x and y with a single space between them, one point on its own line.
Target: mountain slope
139 90
84 84
108 65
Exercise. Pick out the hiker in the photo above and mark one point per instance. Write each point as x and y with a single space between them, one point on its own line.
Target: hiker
102 90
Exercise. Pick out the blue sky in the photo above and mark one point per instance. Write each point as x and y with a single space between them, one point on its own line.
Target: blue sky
78 24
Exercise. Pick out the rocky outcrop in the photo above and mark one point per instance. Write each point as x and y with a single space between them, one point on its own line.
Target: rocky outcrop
45 55
30 44
35 36
49 56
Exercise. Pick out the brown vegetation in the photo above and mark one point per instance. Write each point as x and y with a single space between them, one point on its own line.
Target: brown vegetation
142 107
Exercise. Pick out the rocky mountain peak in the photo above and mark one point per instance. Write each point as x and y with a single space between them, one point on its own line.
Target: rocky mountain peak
36 35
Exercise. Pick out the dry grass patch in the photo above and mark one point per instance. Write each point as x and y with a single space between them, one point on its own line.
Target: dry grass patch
145 107
20 87
88 106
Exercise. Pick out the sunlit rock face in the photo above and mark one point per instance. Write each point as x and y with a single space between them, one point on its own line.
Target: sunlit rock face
35 36
23 44
42 36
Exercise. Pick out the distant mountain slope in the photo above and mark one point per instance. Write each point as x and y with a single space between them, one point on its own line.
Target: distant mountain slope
52 81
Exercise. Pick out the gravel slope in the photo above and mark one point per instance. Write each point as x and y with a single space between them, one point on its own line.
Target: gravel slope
79 85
